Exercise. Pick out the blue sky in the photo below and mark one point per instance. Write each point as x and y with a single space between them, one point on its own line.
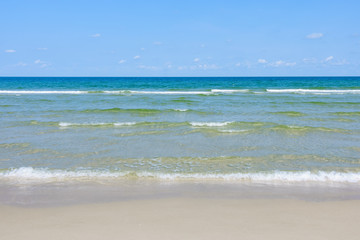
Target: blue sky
179 38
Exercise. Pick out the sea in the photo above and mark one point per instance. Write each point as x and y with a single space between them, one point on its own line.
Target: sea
270 130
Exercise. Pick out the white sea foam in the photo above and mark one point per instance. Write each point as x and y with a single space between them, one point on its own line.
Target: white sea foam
213 91
276 176
229 90
171 92
314 91
209 124
178 92
181 110
233 131
40 92
124 123
158 92
42 174
155 92
30 173
116 92
67 124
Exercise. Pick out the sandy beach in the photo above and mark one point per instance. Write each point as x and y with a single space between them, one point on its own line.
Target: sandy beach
186 218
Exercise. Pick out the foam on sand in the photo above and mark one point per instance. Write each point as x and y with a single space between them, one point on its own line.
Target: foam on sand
25 174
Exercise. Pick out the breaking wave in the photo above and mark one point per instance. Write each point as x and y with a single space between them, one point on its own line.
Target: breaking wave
184 92
315 91
124 92
42 174
209 124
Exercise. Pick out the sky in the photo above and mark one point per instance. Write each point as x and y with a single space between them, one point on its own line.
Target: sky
179 38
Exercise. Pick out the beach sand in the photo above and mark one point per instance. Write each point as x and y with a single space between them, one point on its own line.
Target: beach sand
185 218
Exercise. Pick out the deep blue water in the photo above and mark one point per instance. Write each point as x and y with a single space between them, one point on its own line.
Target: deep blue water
191 83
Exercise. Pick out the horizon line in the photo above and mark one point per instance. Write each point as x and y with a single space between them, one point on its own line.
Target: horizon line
304 76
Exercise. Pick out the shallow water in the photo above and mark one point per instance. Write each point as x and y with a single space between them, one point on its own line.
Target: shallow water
243 129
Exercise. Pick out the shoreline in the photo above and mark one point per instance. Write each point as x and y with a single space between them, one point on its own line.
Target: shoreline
186 218
61 194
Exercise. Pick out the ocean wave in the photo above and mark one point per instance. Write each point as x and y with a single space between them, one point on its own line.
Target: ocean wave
189 92
315 91
181 110
212 127
174 124
117 124
141 111
123 110
233 131
127 92
41 92
42 174
209 124
160 92
175 92
68 124
229 90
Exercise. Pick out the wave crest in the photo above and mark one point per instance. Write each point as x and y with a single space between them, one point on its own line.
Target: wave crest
29 173
315 91
209 124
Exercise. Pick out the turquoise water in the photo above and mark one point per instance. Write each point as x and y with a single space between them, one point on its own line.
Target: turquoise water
243 129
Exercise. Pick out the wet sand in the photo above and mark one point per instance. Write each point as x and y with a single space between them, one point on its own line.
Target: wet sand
185 218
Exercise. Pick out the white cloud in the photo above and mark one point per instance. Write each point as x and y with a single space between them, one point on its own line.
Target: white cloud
262 60
42 64
309 60
122 61
199 67
329 58
204 67
96 35
202 45
10 51
42 49
208 66
314 35
142 49
281 63
238 64
157 43
21 64
136 57
196 59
